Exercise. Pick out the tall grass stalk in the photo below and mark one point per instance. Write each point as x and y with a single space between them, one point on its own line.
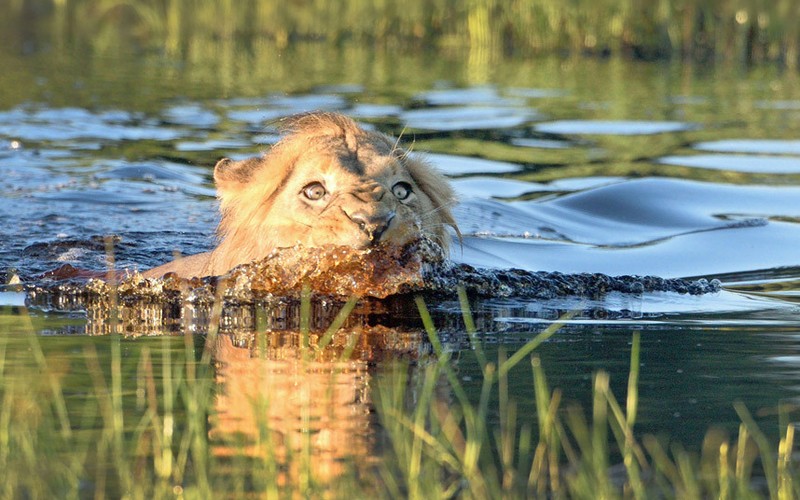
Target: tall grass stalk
742 469
768 457
337 322
531 345
787 486
55 385
469 326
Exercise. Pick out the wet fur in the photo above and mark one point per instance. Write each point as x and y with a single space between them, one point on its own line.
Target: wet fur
262 209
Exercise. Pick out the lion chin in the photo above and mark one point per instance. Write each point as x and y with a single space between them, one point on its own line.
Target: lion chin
328 182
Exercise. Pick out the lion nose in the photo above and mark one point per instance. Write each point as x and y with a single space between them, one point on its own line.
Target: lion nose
372 224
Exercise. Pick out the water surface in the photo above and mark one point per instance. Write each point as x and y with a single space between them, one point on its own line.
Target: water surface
581 166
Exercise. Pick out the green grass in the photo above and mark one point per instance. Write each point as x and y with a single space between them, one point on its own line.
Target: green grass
141 429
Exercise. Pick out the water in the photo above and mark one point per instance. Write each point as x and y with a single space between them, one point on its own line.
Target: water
598 166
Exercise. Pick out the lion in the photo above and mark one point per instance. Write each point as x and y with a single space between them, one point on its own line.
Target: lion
328 181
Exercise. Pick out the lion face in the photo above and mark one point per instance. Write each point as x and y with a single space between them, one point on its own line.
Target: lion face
328 182
356 201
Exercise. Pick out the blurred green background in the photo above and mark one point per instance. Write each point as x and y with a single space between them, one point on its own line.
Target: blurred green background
737 30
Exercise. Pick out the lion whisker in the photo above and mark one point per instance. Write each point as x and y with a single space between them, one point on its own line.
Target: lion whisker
396 146
406 153
440 208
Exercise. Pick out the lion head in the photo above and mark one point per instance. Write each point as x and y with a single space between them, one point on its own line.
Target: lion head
327 182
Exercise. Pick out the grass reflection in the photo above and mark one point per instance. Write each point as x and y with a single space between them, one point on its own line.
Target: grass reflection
746 31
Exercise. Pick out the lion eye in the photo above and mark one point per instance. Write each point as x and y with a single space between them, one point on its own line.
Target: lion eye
314 191
402 190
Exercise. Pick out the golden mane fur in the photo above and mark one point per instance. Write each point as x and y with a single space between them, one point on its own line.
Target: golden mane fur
328 181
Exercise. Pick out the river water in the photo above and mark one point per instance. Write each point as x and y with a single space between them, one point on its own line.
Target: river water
579 165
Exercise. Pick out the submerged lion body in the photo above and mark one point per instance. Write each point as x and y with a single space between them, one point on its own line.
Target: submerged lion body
327 182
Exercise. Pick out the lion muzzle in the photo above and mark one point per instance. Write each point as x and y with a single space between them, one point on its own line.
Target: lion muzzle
373 225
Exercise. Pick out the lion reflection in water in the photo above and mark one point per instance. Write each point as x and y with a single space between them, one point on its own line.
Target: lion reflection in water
279 399
327 182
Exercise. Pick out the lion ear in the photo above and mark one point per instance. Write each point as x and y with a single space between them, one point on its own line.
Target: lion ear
232 176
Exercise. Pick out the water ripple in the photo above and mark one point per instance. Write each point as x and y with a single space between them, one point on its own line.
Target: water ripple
613 127
737 163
